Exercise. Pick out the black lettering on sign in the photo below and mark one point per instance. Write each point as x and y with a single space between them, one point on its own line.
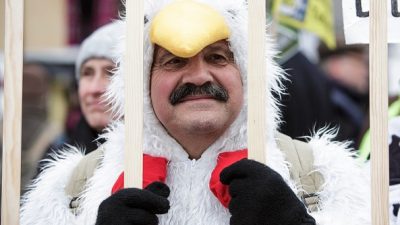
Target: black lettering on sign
360 12
395 8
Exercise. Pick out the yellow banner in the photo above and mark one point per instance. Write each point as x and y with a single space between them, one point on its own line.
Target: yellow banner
313 15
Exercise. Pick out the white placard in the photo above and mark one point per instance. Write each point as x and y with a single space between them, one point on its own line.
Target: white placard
356 21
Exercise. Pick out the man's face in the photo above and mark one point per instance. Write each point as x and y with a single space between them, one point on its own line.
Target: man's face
350 70
93 81
201 95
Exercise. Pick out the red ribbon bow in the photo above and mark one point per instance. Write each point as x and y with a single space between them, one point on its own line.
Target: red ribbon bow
155 169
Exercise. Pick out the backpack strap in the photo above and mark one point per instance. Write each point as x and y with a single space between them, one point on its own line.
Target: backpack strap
82 172
300 155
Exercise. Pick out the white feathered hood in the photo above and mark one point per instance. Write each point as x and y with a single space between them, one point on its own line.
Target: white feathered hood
156 137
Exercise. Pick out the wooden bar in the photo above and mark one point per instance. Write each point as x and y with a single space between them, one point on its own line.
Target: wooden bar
133 65
257 77
11 173
379 112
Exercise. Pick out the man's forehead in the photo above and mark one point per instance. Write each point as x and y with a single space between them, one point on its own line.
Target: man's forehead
219 45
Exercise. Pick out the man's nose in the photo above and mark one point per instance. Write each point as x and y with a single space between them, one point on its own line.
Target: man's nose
198 72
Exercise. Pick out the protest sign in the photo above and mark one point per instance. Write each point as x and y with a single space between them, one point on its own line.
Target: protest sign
313 15
356 15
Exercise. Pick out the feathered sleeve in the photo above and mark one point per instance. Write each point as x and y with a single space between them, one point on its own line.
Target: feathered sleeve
45 202
345 194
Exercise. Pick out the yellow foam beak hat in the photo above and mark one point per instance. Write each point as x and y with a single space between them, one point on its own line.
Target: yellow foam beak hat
185 27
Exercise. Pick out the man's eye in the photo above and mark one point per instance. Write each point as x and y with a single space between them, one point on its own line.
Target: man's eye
218 59
175 63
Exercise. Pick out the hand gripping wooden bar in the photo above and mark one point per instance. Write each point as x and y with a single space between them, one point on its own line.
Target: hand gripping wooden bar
11 174
256 78
133 66
379 112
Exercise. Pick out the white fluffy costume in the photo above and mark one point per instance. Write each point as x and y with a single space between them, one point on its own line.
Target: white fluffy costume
344 194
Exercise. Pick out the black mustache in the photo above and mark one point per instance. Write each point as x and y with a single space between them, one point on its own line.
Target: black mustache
210 89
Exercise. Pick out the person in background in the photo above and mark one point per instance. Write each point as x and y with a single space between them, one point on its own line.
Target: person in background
93 68
347 69
306 106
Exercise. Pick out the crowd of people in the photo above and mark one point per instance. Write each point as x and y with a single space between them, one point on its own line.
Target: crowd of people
195 168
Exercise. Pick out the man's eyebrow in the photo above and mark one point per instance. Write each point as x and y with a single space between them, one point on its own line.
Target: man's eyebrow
216 47
219 47
161 54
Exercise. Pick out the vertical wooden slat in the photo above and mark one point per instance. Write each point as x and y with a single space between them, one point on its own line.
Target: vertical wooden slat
379 112
14 16
256 123
134 94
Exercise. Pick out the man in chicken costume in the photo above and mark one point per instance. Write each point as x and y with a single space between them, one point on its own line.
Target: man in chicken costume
195 140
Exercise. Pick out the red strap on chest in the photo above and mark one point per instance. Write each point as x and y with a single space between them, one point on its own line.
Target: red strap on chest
154 169
224 160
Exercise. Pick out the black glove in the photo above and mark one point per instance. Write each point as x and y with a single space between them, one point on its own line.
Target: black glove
260 196
132 206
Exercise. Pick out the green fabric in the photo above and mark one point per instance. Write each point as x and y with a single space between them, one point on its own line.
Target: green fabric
394 109
365 145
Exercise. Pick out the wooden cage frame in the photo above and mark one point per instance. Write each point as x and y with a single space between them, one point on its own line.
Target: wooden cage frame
134 113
